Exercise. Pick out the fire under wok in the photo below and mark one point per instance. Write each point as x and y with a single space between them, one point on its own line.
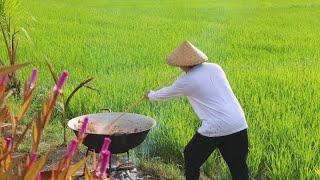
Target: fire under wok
128 131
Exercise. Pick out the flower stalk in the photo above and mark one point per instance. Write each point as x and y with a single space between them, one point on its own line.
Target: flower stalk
32 83
3 83
57 90
104 159
84 127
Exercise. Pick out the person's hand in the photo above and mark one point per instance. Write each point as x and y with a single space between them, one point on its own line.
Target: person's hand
146 95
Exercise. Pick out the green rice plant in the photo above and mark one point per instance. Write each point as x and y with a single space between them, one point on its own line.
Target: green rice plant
269 50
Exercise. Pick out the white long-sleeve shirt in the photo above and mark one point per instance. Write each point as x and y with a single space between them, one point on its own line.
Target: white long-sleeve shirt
211 97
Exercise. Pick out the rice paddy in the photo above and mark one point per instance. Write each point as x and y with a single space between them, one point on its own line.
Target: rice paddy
270 51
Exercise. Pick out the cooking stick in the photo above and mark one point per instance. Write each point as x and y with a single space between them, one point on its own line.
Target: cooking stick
135 104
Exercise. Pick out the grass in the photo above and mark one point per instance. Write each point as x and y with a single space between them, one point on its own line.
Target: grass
269 49
158 169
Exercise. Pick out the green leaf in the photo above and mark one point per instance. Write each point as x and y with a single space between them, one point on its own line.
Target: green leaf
26 34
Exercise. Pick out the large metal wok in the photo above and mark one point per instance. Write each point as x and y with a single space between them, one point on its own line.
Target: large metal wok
133 129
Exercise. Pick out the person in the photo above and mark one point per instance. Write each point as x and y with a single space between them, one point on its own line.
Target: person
223 124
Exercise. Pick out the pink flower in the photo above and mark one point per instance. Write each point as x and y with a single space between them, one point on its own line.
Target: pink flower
4 80
33 157
104 163
84 127
3 83
32 82
104 158
58 87
8 143
72 147
33 78
38 176
106 144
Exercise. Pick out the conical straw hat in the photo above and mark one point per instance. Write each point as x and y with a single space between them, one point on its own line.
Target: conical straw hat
186 55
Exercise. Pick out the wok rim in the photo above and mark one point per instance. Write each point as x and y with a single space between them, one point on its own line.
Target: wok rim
154 123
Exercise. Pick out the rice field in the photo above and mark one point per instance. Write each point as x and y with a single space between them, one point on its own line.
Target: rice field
270 51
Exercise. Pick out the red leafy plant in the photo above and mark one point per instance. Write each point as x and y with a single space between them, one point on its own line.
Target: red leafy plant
100 169
105 155
64 170
29 165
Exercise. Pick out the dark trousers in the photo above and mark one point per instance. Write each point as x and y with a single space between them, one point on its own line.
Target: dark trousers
233 148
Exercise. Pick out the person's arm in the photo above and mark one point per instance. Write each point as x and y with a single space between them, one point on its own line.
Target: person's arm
178 88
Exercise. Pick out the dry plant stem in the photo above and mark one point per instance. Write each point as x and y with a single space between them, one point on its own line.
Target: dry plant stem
11 42
13 120
10 69
18 142
67 102
75 90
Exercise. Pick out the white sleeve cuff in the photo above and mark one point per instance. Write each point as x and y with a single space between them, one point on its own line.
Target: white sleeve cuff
152 96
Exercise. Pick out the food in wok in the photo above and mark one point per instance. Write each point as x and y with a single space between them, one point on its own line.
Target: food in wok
126 133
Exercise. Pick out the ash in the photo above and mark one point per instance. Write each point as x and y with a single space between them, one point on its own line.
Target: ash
127 175
128 171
